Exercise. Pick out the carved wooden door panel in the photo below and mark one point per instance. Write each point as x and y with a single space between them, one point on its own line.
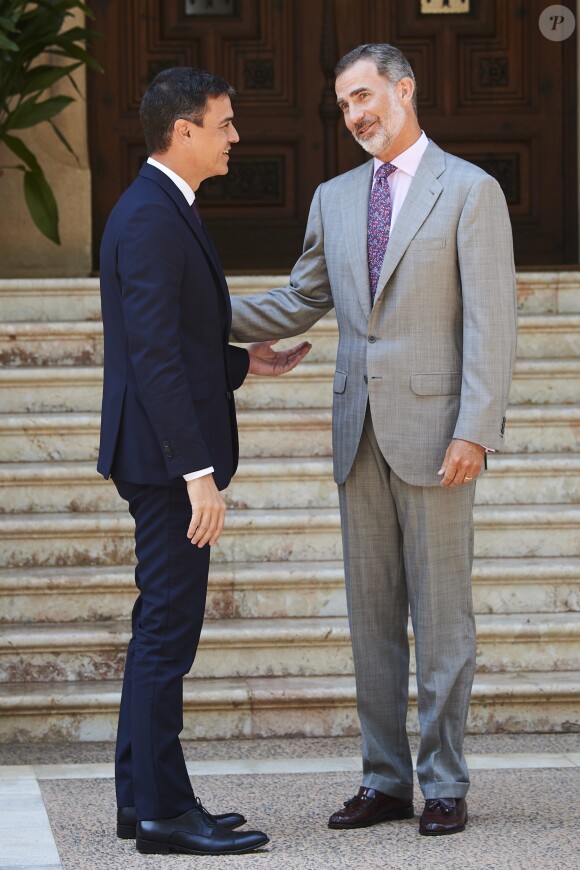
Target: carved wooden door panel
270 52
492 89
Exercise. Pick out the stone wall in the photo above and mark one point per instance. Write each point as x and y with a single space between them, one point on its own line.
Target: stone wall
24 251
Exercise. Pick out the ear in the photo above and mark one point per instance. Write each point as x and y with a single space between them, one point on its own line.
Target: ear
180 130
407 86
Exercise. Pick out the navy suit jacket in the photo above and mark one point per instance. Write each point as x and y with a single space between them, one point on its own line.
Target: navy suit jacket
169 372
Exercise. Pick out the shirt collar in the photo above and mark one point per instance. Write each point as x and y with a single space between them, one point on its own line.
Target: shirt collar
408 161
176 179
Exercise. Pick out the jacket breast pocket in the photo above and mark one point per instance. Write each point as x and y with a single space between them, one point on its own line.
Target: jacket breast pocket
429 243
339 384
436 383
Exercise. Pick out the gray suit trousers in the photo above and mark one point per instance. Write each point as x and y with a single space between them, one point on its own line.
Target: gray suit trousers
409 547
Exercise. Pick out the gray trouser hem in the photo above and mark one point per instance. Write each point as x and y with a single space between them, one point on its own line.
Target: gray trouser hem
445 790
388 786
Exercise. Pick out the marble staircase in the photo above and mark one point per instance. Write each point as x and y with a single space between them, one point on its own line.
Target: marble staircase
274 657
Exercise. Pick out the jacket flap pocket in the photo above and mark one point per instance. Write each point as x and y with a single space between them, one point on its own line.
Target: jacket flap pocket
339 385
436 384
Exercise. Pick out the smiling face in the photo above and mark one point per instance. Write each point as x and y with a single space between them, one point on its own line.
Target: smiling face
196 153
378 113
212 142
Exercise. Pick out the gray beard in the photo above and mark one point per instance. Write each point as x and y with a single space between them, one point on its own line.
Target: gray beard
377 143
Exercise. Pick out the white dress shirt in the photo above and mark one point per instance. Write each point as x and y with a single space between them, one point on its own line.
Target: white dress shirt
190 197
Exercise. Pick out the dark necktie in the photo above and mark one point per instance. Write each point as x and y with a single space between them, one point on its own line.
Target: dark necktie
195 210
379 224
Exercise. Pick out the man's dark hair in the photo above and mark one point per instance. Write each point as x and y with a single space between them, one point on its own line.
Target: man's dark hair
179 92
389 61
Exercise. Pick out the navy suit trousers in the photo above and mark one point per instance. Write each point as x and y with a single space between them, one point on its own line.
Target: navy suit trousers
171 576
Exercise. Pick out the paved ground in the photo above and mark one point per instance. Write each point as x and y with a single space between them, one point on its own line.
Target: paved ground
523 803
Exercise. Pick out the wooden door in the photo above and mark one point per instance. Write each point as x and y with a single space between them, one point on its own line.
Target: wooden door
492 89
270 52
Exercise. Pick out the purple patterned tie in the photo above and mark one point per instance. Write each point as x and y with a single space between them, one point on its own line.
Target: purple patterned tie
379 225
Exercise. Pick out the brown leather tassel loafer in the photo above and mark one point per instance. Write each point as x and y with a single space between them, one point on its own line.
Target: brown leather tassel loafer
369 807
443 816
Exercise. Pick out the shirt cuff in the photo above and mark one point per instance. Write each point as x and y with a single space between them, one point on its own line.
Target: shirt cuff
193 475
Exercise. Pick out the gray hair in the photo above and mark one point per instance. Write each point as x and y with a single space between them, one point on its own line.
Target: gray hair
389 61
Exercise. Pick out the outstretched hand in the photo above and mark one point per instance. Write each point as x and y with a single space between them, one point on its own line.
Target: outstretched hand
265 361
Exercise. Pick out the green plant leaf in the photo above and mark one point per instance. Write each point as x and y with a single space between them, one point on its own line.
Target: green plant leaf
21 150
42 77
7 44
79 54
29 30
7 24
41 204
64 140
29 113
74 84
75 34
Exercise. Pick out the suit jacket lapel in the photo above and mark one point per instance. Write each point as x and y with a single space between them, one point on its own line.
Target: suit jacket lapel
423 193
149 171
355 205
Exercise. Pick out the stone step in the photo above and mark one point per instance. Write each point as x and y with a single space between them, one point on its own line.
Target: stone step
549 335
60 343
285 432
270 648
49 487
548 478
549 292
80 343
280 707
78 298
303 534
35 540
78 389
25 299
546 381
539 428
75 436
250 590
61 299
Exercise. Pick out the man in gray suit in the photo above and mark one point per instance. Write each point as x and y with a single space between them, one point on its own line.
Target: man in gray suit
414 251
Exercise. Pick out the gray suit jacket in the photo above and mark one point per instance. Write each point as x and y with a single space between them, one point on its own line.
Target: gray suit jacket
434 356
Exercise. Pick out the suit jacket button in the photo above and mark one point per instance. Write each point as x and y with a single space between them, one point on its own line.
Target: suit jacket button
228 395
372 338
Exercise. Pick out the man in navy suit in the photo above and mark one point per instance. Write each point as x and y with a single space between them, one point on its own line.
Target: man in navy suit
169 441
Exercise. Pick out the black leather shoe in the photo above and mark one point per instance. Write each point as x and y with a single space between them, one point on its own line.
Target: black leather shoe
443 816
127 822
195 833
